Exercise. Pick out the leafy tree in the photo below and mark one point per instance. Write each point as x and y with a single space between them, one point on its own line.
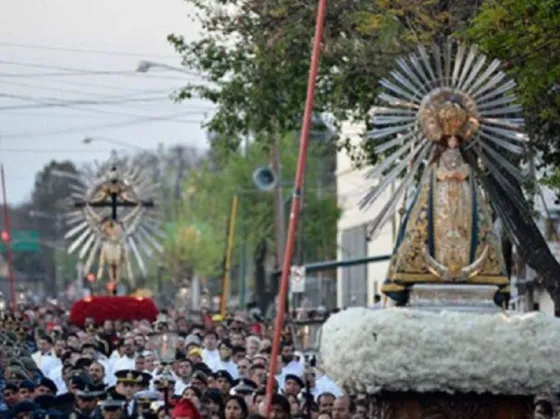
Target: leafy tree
49 201
255 56
30 266
524 33
26 263
205 213
170 168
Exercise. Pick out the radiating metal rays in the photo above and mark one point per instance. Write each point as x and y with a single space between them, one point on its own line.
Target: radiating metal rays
385 181
388 210
142 232
456 70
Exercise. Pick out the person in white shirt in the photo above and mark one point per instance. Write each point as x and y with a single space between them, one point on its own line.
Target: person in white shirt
56 374
289 364
324 384
183 372
45 344
210 354
126 361
225 362
149 361
377 303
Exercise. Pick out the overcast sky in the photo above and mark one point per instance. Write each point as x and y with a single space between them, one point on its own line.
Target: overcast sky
56 51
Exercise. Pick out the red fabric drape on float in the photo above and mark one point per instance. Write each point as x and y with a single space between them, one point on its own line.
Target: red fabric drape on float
113 308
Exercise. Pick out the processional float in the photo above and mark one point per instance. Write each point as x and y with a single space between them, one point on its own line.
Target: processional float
114 220
451 136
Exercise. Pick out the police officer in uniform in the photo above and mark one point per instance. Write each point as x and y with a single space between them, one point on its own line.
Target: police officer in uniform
87 400
144 401
127 382
112 408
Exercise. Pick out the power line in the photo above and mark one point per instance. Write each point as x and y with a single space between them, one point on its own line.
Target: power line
49 102
85 51
58 115
131 95
54 102
138 121
86 93
90 84
90 73
86 70
76 150
53 151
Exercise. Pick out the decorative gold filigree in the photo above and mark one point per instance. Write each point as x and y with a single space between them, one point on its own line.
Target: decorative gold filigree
446 195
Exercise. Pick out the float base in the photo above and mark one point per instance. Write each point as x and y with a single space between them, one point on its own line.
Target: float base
411 405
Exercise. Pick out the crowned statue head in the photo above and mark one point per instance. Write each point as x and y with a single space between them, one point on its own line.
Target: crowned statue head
452 117
445 115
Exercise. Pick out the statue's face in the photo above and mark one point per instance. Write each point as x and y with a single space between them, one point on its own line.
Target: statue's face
453 142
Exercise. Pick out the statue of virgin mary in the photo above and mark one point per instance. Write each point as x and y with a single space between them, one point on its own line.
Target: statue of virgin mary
451 132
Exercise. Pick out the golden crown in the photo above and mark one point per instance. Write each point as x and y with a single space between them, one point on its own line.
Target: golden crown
452 118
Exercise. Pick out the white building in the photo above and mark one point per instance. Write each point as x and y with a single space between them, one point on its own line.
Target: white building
533 296
357 285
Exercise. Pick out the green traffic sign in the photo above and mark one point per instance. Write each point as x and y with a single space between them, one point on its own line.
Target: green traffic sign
22 241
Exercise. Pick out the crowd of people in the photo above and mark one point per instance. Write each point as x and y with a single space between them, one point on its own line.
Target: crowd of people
181 366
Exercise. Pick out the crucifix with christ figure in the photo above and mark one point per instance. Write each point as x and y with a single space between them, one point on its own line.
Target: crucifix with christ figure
114 193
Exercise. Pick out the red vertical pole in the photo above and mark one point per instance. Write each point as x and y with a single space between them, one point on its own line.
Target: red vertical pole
296 199
8 244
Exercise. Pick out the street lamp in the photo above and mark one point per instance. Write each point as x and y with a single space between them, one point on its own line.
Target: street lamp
90 140
144 66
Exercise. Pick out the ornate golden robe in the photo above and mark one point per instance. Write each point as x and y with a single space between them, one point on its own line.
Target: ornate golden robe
449 226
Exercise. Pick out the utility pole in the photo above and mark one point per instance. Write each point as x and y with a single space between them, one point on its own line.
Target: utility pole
280 216
242 279
7 242
80 279
530 287
296 200
227 261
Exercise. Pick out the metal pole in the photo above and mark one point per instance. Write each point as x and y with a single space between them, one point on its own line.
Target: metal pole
243 272
227 267
80 279
11 277
296 299
278 202
242 281
301 229
162 297
300 175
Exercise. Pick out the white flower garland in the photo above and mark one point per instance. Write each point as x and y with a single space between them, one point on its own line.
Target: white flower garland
398 349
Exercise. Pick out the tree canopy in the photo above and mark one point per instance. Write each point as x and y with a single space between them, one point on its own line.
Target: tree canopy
524 34
255 57
200 233
49 202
